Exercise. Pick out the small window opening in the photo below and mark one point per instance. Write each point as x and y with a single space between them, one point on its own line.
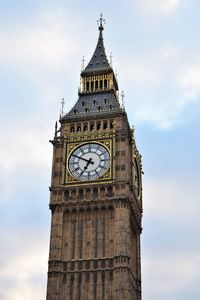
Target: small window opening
95 192
101 84
91 126
85 128
81 193
110 191
99 126
105 125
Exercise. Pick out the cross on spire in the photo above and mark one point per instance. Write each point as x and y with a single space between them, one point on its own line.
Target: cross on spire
100 22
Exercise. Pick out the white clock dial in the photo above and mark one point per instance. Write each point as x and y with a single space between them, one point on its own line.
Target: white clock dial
89 161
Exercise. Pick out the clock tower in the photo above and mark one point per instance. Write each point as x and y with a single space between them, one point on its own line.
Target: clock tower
96 194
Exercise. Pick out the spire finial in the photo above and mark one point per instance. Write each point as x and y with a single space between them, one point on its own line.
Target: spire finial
111 57
122 97
100 22
62 107
83 63
116 74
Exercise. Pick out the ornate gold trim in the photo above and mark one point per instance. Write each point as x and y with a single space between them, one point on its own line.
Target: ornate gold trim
70 146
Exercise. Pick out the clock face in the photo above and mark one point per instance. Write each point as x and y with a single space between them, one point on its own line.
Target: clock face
136 178
89 161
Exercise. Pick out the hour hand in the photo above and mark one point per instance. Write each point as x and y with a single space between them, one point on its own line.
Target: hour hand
87 160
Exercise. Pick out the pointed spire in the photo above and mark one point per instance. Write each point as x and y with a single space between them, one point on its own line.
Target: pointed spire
98 93
99 61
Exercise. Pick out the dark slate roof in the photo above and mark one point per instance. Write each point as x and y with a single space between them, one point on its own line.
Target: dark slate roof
99 61
95 103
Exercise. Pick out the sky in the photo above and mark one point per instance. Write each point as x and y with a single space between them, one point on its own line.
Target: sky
156 51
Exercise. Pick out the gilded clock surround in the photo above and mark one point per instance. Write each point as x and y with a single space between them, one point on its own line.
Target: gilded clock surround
71 146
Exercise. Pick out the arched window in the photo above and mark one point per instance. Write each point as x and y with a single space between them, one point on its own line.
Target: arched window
88 193
73 193
66 195
85 127
81 193
110 191
98 125
102 192
91 126
95 192
105 84
105 125
96 85
101 84
87 85
92 85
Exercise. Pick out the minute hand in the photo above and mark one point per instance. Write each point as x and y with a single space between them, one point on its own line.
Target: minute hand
87 160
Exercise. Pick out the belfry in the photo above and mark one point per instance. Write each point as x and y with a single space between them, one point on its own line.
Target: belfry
95 194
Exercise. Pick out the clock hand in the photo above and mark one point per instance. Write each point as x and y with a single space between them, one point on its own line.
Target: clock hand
87 160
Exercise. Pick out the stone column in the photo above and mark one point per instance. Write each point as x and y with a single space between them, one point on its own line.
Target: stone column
122 229
99 286
76 287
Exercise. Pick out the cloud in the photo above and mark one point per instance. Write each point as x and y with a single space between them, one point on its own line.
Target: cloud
170 248
22 274
190 81
27 147
158 7
164 83
165 197
49 43
25 161
174 273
